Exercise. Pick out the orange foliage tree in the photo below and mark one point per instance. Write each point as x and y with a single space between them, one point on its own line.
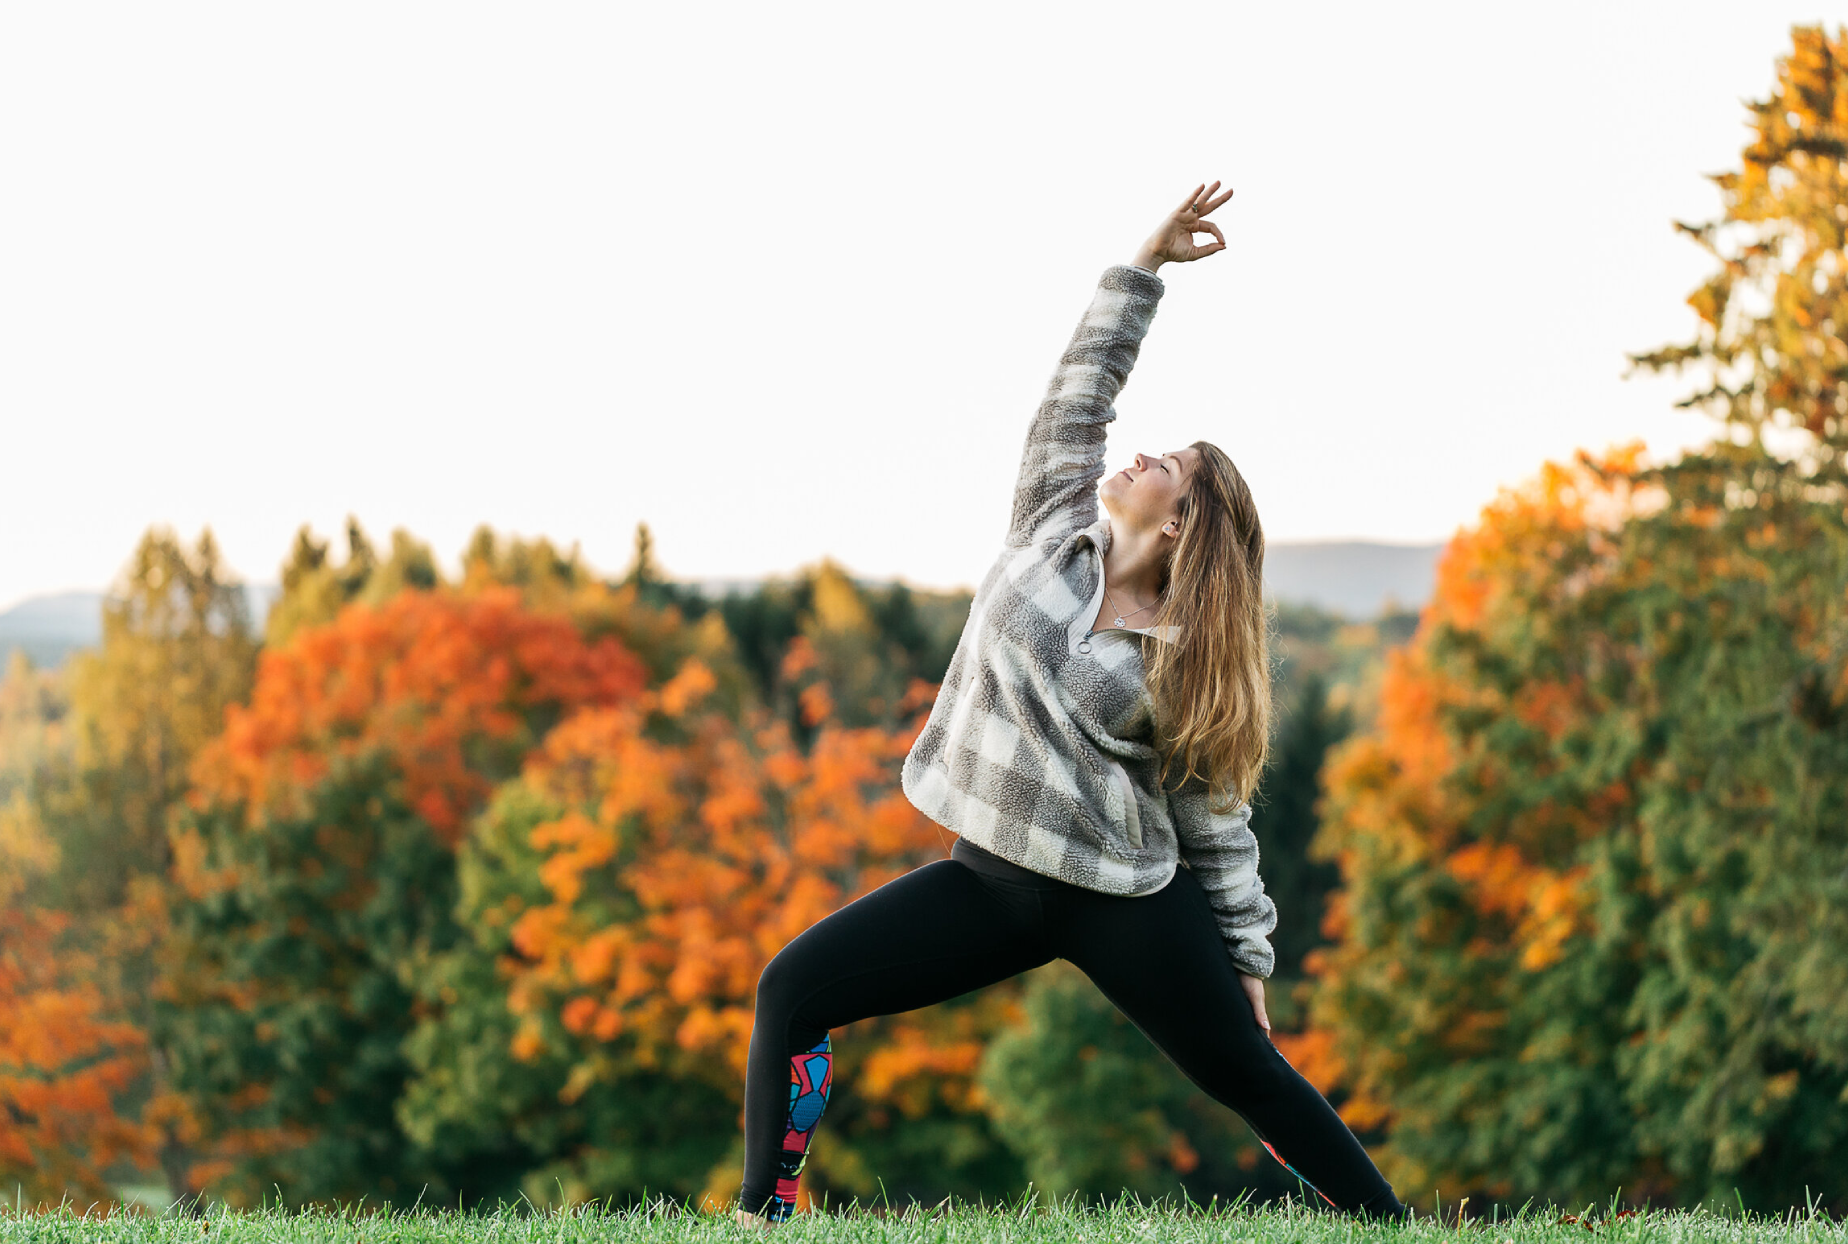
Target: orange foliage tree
1590 931
628 890
1457 825
319 874
452 688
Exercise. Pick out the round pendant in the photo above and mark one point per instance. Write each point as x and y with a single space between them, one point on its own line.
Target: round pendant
1084 645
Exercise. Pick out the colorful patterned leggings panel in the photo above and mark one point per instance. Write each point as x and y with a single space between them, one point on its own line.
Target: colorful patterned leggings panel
811 1075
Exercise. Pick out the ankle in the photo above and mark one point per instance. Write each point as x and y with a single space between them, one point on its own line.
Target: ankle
1384 1206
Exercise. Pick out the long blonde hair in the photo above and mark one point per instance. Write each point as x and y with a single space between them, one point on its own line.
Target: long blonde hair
1212 688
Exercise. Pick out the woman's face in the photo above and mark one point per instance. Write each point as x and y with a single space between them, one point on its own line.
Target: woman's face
1147 493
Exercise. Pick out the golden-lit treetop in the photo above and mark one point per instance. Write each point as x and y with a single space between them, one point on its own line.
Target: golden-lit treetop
1770 346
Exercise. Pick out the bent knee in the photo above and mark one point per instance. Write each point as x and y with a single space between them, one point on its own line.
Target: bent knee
774 981
785 980
783 989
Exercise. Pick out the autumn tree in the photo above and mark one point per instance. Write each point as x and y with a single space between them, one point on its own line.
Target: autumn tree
1772 347
176 650
870 643
662 623
319 871
1592 929
67 1060
1590 932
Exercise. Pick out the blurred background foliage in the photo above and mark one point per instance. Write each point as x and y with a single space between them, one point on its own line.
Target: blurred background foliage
458 886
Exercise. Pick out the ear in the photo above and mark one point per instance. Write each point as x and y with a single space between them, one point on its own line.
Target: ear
1171 528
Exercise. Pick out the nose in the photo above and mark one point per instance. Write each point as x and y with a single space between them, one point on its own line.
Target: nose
1141 463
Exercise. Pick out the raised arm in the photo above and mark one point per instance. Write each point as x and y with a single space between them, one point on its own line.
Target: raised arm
1056 491
1064 455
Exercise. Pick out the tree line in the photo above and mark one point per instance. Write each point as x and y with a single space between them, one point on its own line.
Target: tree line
461 888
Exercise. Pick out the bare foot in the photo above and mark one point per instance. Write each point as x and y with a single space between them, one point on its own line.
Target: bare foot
754 1220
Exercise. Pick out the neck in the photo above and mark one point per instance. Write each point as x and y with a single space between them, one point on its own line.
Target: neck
1132 567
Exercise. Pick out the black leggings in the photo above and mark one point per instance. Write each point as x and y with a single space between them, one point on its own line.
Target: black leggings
956 925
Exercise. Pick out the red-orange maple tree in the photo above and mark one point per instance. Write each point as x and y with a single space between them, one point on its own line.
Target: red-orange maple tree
430 678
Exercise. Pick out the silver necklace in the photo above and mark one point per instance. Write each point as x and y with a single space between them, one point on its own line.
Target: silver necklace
1132 613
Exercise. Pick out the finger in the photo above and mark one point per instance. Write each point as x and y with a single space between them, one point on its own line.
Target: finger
1217 203
1207 226
1188 202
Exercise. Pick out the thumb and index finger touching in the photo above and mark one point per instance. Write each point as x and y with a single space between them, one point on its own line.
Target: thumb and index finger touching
1197 205
1208 227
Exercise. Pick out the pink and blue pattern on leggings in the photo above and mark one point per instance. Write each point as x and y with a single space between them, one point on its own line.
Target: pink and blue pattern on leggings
1286 1166
811 1077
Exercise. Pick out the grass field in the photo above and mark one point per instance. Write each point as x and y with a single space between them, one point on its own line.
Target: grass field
1025 1222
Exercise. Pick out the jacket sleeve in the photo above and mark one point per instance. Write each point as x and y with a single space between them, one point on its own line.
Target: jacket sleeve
1222 853
1064 456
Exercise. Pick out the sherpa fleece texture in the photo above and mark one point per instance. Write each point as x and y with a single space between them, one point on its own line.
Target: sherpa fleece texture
1040 746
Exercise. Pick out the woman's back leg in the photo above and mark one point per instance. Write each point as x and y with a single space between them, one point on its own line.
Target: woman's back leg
933 934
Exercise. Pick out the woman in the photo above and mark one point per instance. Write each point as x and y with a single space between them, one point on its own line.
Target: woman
1103 721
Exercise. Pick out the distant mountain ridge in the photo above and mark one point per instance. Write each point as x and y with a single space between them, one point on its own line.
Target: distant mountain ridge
49 628
1356 578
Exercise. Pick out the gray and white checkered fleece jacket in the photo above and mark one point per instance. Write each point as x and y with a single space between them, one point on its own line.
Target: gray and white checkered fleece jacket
1039 747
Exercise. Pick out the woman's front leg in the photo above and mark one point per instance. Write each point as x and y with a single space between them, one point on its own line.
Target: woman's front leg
933 934
1161 961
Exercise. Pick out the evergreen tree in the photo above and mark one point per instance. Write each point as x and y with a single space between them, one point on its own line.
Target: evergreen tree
1285 822
314 589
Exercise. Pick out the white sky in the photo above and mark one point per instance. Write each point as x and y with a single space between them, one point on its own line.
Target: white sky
787 280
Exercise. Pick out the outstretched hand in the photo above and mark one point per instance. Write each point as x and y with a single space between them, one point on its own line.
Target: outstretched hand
1173 240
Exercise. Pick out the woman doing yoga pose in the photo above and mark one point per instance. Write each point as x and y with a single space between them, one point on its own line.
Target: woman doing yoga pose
1094 747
